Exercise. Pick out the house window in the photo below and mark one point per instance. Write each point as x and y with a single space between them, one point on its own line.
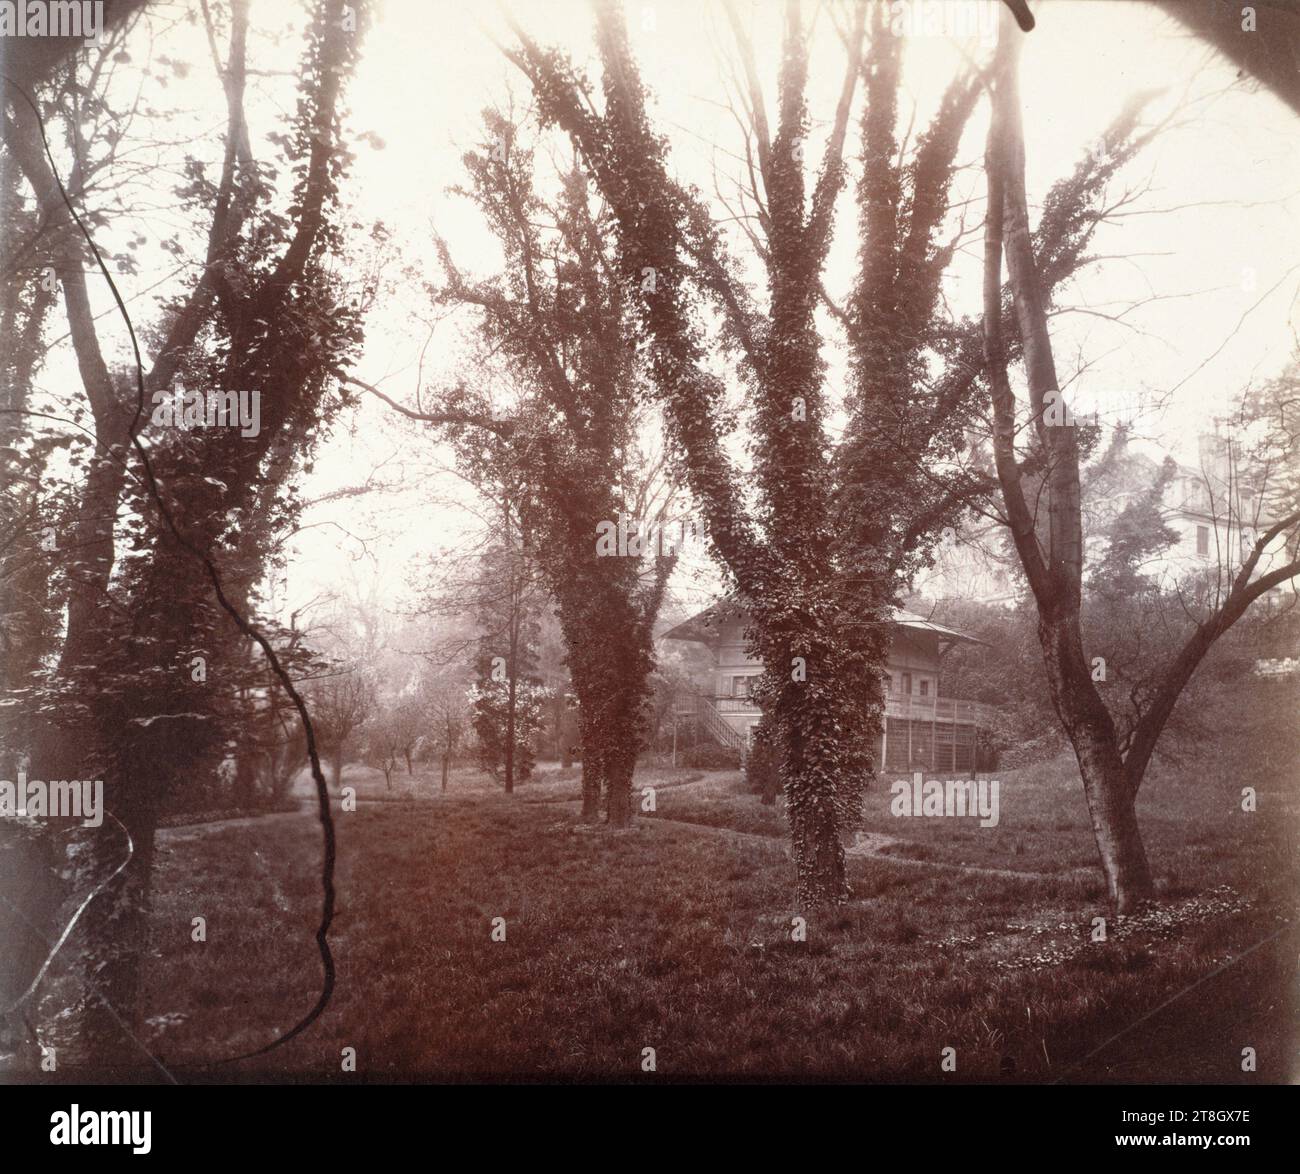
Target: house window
1202 540
925 688
740 686
889 682
907 684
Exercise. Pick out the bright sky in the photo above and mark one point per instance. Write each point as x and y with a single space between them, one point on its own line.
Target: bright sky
1224 264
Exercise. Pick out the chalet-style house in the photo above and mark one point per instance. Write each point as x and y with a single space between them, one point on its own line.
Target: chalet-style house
923 731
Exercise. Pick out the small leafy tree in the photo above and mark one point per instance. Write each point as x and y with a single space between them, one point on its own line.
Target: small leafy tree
444 705
342 704
391 736
507 717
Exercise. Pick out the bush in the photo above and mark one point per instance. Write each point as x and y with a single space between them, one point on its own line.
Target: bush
710 756
763 770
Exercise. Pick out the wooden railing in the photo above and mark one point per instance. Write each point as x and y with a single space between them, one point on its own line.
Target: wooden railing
735 705
708 712
915 707
943 709
705 711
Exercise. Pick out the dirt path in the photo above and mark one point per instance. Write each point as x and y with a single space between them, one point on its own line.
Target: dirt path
181 832
873 845
867 846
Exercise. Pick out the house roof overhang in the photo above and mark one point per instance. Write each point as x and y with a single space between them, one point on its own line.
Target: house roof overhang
705 627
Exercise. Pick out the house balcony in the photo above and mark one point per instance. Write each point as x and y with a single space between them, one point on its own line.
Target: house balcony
743 706
939 709
919 733
897 705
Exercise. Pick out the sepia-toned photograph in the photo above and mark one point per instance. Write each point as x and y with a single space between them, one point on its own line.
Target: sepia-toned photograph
630 542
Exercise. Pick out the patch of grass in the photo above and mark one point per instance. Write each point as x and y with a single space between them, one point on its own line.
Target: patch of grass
681 938
675 938
720 798
1197 835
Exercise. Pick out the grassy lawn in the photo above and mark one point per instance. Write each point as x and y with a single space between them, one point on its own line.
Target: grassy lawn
1197 835
675 937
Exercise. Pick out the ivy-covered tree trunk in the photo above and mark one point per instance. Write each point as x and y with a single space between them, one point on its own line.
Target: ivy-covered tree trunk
556 314
118 929
32 863
786 579
821 534
116 659
593 776
824 725
618 784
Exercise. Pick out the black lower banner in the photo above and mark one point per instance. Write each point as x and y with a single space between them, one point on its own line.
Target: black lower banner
339 1122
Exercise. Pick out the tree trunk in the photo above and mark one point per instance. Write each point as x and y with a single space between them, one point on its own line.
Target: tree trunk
29 924
1110 795
510 738
116 936
819 861
1107 786
446 766
336 766
817 820
591 782
245 778
618 784
1113 809
1056 577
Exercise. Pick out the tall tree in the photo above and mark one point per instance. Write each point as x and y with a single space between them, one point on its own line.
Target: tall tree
265 314
820 537
557 319
1052 555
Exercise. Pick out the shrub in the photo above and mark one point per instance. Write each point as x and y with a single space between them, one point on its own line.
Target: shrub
763 769
710 756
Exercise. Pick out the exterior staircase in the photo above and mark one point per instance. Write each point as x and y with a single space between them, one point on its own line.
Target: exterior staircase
703 711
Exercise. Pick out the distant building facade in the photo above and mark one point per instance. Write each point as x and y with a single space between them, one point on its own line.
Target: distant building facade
1212 506
923 730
